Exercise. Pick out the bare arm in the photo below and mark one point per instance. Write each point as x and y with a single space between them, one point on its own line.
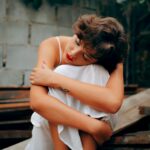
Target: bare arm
107 99
46 53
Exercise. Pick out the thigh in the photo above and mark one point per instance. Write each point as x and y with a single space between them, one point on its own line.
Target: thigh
88 141
58 144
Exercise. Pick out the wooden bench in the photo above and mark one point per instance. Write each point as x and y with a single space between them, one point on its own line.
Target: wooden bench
132 127
15 115
14 97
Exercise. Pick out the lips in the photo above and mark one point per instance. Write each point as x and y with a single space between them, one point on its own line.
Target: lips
69 57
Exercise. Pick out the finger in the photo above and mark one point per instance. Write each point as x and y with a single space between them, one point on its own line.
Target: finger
44 62
35 69
32 82
31 78
42 66
32 74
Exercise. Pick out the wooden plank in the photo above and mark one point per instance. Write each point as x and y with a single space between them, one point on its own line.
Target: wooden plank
142 138
19 146
19 110
144 110
129 112
14 92
14 87
14 105
15 122
131 89
7 134
14 100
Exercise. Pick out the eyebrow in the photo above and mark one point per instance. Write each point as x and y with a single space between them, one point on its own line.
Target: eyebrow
91 56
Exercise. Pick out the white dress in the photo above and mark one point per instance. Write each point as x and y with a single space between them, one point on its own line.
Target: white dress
41 138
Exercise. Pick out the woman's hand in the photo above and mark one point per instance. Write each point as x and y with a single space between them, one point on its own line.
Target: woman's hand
42 76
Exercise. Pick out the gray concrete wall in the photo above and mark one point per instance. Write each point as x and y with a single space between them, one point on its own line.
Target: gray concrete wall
22 29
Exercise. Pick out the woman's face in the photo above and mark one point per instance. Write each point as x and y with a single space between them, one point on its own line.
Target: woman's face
75 54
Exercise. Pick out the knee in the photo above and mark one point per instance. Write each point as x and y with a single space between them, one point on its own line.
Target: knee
108 135
105 137
104 132
107 132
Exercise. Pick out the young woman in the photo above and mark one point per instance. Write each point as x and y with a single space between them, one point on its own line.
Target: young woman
96 41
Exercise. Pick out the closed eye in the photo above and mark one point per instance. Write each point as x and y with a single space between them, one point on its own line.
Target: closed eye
86 57
77 41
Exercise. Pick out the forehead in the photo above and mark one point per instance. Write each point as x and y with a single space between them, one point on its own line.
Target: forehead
88 50
85 47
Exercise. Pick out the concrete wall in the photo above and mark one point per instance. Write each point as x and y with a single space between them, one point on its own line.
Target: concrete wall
22 29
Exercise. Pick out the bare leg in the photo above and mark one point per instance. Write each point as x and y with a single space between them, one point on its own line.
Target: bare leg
87 141
58 144
57 112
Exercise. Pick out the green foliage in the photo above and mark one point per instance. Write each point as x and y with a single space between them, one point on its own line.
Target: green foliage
36 4
59 2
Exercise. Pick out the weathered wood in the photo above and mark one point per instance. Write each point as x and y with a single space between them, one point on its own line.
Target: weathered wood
18 146
142 137
15 122
7 134
144 110
14 100
129 112
15 114
14 92
14 105
131 88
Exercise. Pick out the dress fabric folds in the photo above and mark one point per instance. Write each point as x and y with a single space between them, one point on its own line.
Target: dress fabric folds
41 138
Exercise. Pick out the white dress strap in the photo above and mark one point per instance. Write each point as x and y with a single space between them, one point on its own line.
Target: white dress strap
60 50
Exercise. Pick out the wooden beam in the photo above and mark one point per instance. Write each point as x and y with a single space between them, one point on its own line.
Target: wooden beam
144 110
15 105
7 134
14 122
5 101
129 111
142 137
14 92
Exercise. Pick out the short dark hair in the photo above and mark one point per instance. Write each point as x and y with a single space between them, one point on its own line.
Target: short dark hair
106 36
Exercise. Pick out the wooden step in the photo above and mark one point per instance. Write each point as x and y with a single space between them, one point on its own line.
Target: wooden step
15 105
14 92
129 112
15 134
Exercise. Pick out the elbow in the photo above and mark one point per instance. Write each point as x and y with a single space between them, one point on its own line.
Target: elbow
34 103
115 106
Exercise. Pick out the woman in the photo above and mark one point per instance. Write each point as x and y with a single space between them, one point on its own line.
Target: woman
96 41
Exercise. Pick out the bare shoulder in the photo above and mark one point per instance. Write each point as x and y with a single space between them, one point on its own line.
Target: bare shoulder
50 42
48 51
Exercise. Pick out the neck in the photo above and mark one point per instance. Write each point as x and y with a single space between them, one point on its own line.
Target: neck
63 41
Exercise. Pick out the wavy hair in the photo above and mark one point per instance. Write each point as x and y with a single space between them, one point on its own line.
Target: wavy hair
106 36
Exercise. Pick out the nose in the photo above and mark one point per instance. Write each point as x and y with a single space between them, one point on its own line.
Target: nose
74 53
